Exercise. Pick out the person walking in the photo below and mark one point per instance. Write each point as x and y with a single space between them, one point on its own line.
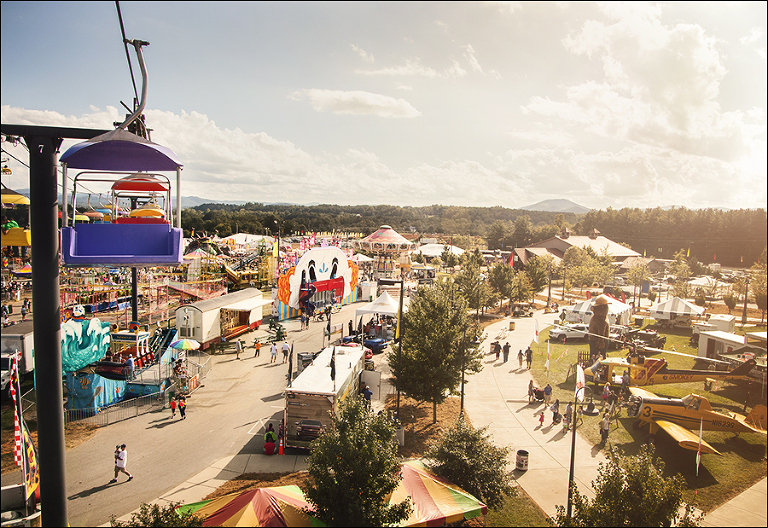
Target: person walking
121 461
604 427
567 417
547 394
506 351
238 347
555 411
273 352
257 346
286 350
531 395
183 408
24 311
173 408
130 366
520 358
529 357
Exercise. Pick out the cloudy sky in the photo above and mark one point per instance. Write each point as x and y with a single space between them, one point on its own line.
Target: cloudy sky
477 103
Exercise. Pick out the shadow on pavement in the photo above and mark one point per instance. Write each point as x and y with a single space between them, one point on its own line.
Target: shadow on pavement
91 491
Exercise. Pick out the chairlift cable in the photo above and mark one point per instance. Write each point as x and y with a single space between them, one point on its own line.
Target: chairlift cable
127 54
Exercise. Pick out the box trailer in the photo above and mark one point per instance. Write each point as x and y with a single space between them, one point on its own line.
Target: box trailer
211 320
313 395
17 338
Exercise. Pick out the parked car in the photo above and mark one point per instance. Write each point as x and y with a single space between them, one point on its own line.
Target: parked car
377 345
569 331
309 429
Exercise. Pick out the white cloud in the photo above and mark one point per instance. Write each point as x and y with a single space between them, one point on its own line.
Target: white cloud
754 35
469 54
404 87
356 102
411 67
363 54
660 86
505 7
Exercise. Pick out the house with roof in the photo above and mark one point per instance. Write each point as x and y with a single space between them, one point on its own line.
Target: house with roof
558 245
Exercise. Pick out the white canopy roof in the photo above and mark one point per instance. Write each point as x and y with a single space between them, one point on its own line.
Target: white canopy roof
618 312
676 306
359 257
435 250
385 305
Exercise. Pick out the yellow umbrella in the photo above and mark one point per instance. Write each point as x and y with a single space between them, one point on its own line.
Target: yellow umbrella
12 197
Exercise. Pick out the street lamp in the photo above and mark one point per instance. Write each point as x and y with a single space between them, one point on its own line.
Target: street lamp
392 282
573 448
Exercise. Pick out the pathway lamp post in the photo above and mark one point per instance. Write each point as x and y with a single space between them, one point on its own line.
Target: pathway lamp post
398 335
574 413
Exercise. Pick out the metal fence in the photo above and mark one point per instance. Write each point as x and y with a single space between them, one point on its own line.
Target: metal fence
119 411
199 363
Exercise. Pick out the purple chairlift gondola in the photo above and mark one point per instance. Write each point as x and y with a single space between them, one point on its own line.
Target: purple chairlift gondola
138 243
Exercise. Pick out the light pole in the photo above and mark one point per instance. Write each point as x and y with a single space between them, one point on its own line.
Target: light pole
573 449
564 269
391 282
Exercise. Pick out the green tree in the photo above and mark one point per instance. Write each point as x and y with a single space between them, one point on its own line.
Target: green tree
758 283
355 468
418 257
523 231
730 302
631 491
438 328
522 292
637 274
680 269
155 515
538 272
467 457
501 278
472 287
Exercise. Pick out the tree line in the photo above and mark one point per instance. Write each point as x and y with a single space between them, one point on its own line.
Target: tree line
732 238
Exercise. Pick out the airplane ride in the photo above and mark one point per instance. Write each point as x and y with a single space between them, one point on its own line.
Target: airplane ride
678 416
654 371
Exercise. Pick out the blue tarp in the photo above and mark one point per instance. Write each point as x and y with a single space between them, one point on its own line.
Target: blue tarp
83 341
87 391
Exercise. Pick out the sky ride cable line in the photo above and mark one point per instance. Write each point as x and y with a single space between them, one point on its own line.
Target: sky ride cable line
127 54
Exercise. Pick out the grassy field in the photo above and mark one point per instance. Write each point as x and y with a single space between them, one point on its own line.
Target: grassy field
743 460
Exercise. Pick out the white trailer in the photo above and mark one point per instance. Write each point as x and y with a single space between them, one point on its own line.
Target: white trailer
17 338
313 395
228 316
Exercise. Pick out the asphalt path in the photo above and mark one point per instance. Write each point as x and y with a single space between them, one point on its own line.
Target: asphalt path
226 416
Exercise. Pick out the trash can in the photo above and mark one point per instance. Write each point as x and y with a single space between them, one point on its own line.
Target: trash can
400 434
511 325
522 460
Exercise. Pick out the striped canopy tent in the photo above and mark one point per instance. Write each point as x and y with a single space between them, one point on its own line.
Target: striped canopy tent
676 306
385 240
24 271
197 254
278 506
435 502
618 312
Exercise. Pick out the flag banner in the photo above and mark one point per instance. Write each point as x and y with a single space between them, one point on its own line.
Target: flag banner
580 382
333 365
536 332
30 462
275 249
546 365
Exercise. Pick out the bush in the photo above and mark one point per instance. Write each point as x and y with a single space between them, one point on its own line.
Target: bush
155 515
466 456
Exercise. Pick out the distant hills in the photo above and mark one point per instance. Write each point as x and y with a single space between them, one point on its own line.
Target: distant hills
560 205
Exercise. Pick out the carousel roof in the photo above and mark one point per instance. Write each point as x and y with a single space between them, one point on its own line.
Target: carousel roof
385 239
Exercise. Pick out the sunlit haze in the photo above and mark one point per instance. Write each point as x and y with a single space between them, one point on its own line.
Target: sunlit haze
410 103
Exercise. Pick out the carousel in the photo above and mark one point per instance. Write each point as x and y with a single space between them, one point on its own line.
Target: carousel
390 250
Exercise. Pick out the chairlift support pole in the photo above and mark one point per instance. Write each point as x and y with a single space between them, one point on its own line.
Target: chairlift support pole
43 143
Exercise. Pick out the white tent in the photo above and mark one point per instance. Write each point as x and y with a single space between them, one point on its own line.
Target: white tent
435 250
359 257
384 305
675 306
618 312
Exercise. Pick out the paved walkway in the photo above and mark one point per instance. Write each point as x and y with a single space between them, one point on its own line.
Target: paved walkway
497 397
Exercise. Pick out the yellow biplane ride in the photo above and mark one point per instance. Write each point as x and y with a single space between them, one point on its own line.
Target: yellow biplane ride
678 416
654 371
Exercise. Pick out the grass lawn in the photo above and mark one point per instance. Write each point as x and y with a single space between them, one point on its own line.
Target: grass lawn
517 511
743 460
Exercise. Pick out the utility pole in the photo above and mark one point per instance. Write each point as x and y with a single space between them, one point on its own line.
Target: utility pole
746 296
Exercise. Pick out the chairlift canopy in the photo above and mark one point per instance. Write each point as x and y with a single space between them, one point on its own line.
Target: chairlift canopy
120 151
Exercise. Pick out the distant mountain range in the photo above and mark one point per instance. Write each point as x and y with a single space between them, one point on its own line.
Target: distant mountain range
557 206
